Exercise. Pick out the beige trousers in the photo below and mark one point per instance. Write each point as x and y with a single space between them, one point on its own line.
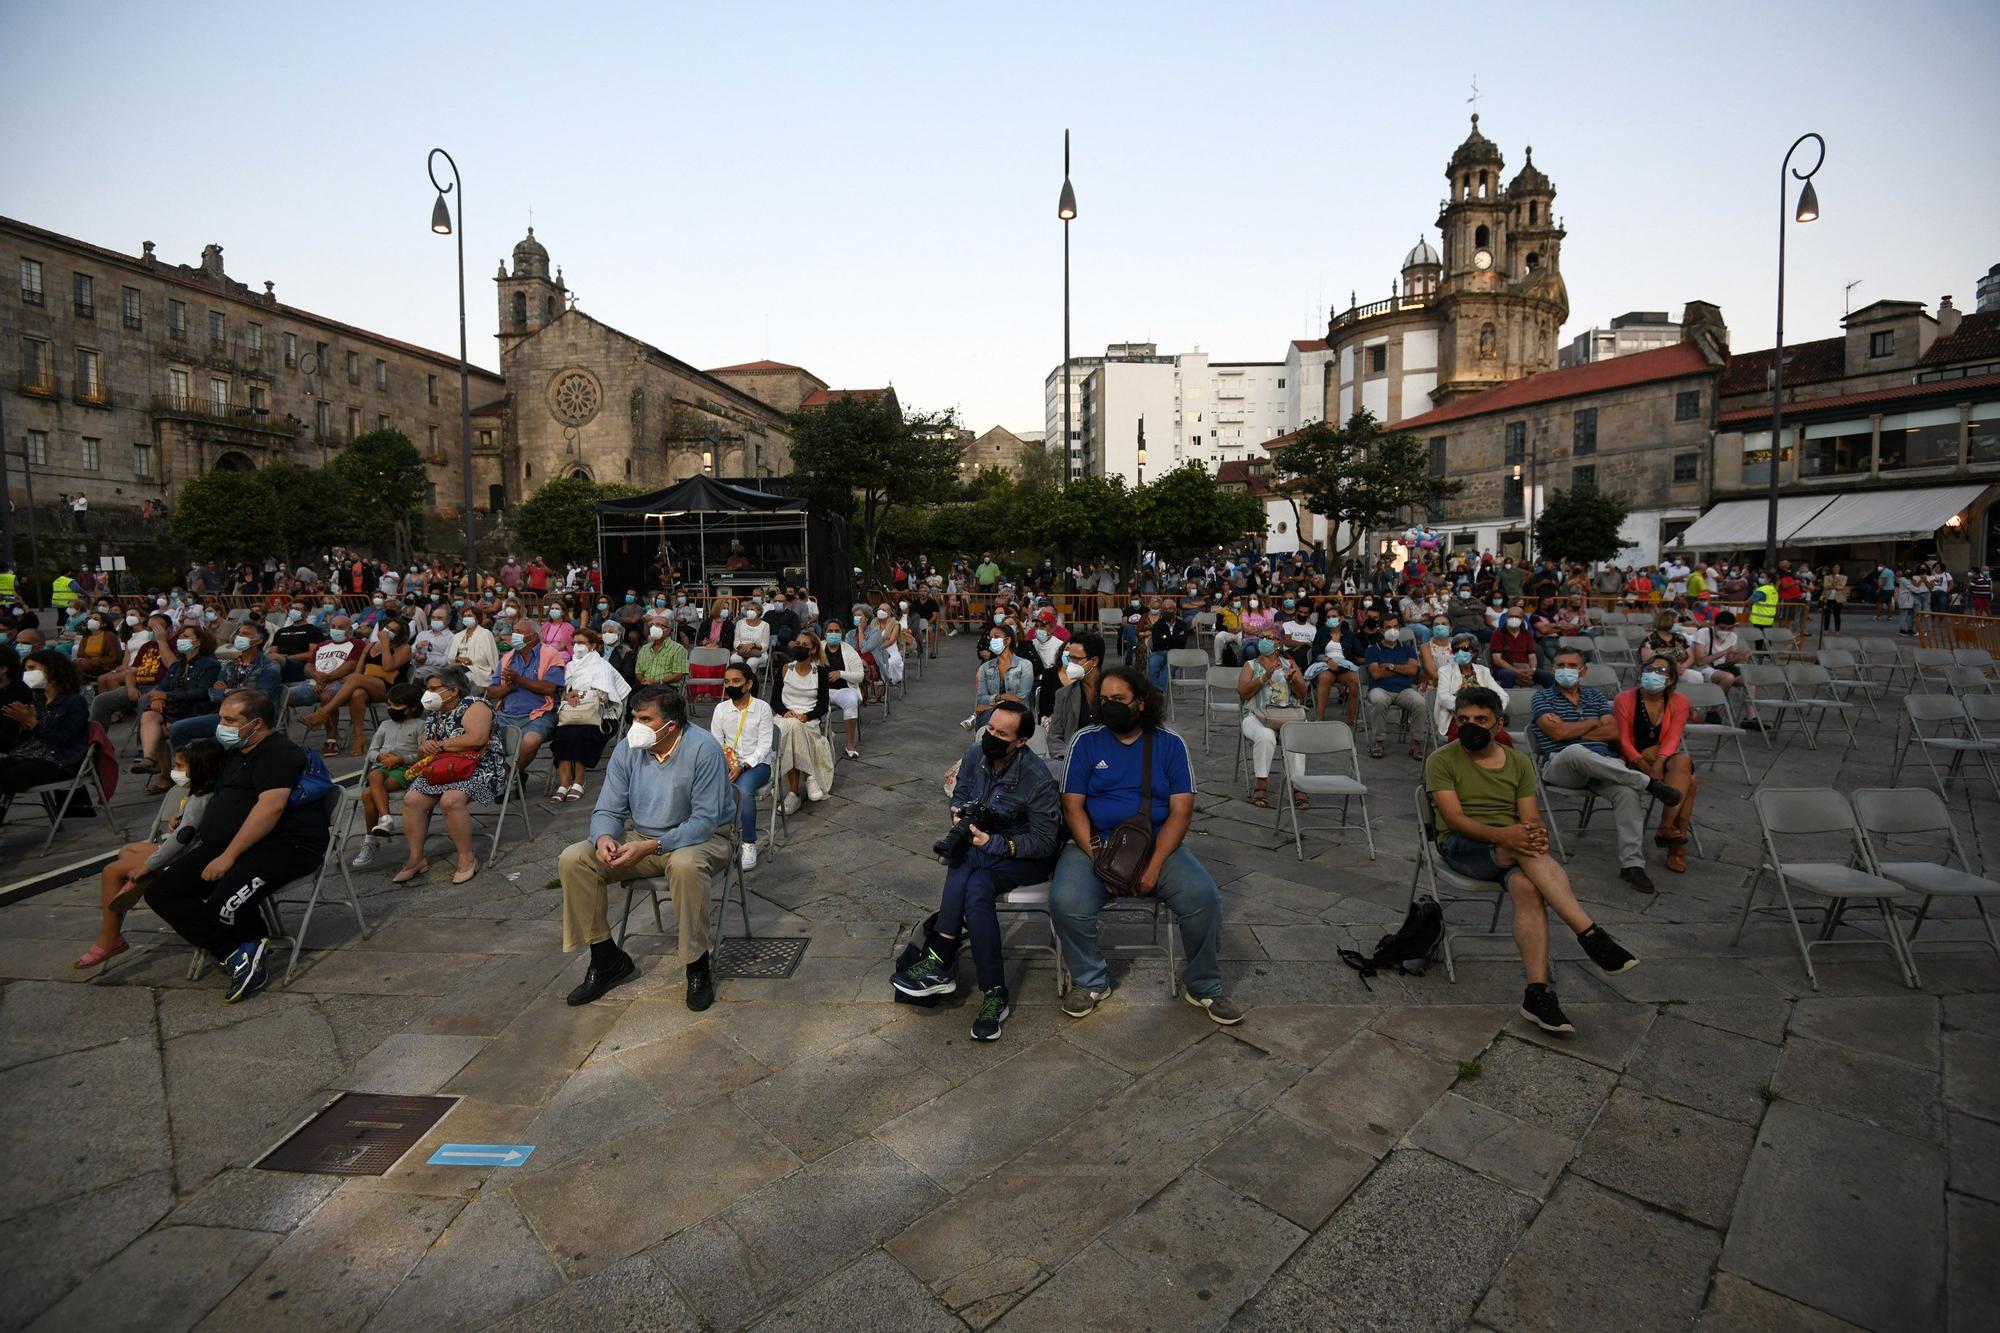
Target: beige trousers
687 870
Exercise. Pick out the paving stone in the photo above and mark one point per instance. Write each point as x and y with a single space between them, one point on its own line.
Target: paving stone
1369 1091
1975 1155
45 1252
1606 1034
1672 1156
1493 1143
1414 1248
995 1116
367 972
1303 1034
870 1295
339 1266
235 1090
633 1192
1455 1031
250 1200
360 1023
836 1096
941 1039
602 1101
1972 1073
1735 1306
532 1056
695 1065
1297 1170
1539 1086
60 1144
1711 978
1215 1243
1593 1261
778 1034
1900 1027
1844 1217
411 1064
634 1295
418 934
167 1278
781 1240
43 1018
181 1012
1138 1038
491 996
1707 1068
485 1266
1747 1016
1975 1013
1870 1088
1974 1295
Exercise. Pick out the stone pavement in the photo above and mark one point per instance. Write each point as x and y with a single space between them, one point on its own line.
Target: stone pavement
1719 1146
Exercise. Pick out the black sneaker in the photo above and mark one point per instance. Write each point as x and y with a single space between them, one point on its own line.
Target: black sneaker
931 975
993 1011
246 971
1662 793
1637 877
1606 952
1538 1006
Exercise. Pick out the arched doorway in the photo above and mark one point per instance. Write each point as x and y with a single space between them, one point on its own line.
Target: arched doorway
233 462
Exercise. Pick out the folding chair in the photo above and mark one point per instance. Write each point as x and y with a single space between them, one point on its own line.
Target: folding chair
1432 870
1812 686
1846 674
513 794
711 689
1131 907
1033 900
1917 812
1704 697
1821 813
1222 681
1772 693
1931 665
1882 661
342 803
1973 657
57 797
1304 740
1967 680
1579 643
1958 735
731 872
1597 675
1779 642
1185 671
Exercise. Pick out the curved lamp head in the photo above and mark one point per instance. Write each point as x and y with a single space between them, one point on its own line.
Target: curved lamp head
1808 205
440 217
1066 206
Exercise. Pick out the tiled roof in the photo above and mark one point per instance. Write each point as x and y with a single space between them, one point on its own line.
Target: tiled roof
1664 363
753 366
1805 363
821 397
1310 344
1977 338
1942 389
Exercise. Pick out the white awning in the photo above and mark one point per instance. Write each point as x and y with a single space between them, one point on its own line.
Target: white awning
1886 516
1736 525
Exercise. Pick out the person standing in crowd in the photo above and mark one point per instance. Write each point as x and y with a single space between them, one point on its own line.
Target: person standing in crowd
1832 598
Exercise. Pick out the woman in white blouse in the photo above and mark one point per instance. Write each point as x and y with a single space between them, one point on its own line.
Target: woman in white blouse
845 674
745 728
753 636
801 692
1458 668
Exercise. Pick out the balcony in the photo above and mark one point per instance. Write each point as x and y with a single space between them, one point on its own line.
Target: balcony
1374 309
31 296
39 386
192 408
85 310
97 396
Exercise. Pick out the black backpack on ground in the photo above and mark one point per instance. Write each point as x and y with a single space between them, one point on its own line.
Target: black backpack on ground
1412 947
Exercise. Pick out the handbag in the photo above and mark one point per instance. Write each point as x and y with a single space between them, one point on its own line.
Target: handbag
1121 858
446 766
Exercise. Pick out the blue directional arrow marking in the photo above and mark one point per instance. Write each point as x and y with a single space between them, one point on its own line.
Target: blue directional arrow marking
481 1154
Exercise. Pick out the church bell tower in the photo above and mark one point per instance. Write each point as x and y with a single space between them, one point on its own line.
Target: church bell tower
530 299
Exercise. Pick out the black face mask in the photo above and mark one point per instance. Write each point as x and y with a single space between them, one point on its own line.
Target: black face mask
732 692
1117 714
994 747
1474 737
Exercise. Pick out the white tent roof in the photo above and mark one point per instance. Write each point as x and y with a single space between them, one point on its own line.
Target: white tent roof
1739 524
1886 516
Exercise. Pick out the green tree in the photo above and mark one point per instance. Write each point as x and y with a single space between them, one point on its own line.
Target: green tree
857 457
1041 467
313 504
381 477
1581 525
227 516
1185 510
559 521
1089 515
1362 475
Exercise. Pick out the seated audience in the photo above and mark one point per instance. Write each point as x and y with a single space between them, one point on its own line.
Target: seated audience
51 729
1513 655
1002 676
525 693
1460 670
846 676
663 660
251 669
1076 701
801 693
473 649
384 658
593 695
1650 723
392 751
333 662
1393 670
182 691
462 760
747 731
197 768
1271 687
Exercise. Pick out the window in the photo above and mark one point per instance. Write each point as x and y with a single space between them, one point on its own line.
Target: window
353 423
218 332
1757 457
1883 343
89 388
1517 442
131 308
1194 440
1534 213
1481 238
1583 477
93 452
1920 439
485 439
257 398
520 307
354 367
1378 360
1837 448
381 421
142 460
1687 468
36 373
381 373
177 387
291 350
432 385
1437 455
218 395
1984 443
85 287
38 448
322 418
431 441
177 318
31 281
1511 501
253 339
1687 405
1583 432
1281 381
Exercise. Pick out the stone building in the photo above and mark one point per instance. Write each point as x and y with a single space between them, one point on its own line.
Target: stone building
136 375
997 448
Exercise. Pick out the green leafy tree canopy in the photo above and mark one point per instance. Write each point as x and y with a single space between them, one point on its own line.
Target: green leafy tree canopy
227 516
1363 476
382 477
559 521
858 457
1185 510
313 506
1581 525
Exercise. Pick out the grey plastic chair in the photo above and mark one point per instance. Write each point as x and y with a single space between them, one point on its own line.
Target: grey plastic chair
1824 815
1028 900
731 872
1433 872
1186 668
1812 686
1845 673
1956 733
1965 680
1306 740
1773 696
1599 676
513 794
1219 697
1917 812
1704 697
1931 664
1581 643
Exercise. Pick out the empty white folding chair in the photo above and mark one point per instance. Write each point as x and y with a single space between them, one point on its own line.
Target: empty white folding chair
1581 643
1220 700
1186 672
1772 691
1931 665
1305 741
1965 680
1921 814
1942 724
1847 674
1822 814
1883 662
1433 873
1812 687
1704 698
513 795
1598 676
1779 642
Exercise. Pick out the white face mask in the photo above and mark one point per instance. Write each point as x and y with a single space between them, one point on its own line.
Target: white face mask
642 737
34 678
656 631
1073 669
580 651
432 701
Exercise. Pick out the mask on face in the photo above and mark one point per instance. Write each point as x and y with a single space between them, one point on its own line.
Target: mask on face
580 651
185 647
337 634
1117 714
35 678
1392 636
996 645
1265 647
228 737
833 636
1474 737
132 622
633 597
1653 682
604 606
1567 677
432 701
556 613
995 747
93 624
656 632
469 621
179 777
378 601
642 737
1073 669
1463 657
241 643
732 692
518 640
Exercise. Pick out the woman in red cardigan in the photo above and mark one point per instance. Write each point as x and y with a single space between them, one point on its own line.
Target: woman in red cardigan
1650 722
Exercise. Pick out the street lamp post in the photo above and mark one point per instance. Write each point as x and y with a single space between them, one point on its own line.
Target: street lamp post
1808 211
443 225
1066 210
1142 448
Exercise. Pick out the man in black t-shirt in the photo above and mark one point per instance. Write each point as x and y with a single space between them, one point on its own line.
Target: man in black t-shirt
251 842
924 613
292 643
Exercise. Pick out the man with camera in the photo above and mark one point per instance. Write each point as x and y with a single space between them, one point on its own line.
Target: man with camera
1004 834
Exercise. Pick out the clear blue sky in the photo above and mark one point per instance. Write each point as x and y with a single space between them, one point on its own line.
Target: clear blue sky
869 191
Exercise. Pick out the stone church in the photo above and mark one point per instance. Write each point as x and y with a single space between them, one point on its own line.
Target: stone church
586 400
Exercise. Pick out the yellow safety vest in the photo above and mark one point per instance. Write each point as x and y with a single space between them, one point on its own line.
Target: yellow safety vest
6 585
63 593
1764 607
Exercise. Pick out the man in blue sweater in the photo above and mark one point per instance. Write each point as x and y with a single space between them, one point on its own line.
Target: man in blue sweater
669 784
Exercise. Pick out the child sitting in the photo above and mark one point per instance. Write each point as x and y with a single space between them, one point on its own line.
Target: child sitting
391 751
197 766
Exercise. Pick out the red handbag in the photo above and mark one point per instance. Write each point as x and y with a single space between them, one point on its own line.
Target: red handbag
450 766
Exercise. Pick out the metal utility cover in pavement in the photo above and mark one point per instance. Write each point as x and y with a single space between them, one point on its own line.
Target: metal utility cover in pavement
769 960
360 1134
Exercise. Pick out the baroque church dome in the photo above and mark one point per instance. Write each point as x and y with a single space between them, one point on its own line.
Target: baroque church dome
1422 255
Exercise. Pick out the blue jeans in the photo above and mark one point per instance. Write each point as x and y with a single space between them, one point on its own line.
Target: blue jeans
750 781
201 727
966 909
1156 670
1188 891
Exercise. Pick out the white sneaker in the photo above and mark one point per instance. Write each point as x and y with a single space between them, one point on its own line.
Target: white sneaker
791 803
749 856
967 724
814 792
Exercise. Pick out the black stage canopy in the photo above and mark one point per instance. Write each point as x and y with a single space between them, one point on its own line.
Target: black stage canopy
697 525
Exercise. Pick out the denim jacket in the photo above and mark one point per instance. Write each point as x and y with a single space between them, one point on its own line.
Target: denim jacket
1025 788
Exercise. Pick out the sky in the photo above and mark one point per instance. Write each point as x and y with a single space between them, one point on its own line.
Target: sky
869 191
